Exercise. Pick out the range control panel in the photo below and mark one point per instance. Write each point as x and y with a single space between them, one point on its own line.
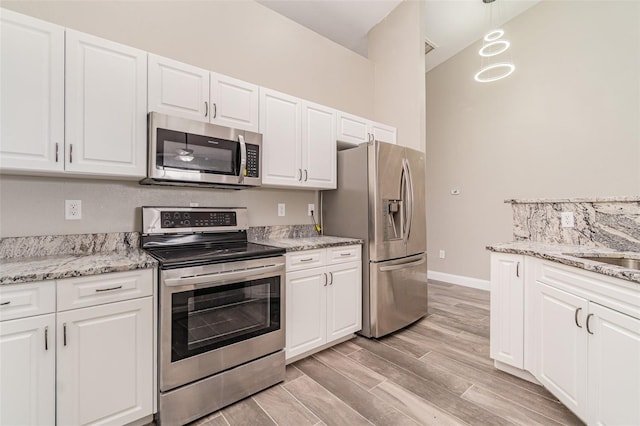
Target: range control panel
197 219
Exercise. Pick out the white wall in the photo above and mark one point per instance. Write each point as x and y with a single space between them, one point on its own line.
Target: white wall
242 39
565 124
396 47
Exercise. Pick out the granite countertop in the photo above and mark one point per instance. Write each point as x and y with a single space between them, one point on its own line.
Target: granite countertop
308 243
567 255
38 268
613 199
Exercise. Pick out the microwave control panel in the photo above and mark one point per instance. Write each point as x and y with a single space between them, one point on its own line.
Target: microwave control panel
182 219
253 164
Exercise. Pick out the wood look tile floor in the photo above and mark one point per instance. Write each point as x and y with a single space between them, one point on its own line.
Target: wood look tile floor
434 372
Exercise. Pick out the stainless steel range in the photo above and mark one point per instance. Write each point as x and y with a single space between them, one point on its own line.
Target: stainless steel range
221 309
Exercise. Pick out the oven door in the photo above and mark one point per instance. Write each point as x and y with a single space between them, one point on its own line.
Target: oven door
215 317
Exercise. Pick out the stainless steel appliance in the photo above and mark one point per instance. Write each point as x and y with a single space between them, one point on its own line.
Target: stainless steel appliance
381 199
193 153
221 310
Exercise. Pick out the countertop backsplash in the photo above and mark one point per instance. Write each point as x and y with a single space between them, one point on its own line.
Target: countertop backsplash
612 222
281 231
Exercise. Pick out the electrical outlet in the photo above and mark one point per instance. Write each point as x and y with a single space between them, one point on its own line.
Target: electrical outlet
72 209
455 191
192 204
566 218
281 211
441 254
311 208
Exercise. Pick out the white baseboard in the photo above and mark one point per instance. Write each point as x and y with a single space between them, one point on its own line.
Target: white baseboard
459 280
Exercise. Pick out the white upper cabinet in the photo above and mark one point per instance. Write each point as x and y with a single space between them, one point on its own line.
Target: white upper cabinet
319 158
106 107
382 132
234 103
353 129
182 90
178 89
281 130
32 94
299 143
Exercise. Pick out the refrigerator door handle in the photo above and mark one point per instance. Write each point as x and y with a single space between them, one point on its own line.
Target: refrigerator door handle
403 265
408 195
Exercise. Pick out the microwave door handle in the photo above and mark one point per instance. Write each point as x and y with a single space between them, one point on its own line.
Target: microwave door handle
243 158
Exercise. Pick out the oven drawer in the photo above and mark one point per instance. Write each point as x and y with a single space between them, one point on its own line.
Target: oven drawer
26 300
94 290
305 259
343 254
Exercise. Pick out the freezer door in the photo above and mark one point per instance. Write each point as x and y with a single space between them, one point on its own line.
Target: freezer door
386 201
416 233
398 293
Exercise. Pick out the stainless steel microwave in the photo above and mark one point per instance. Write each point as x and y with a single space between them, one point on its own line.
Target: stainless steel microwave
186 152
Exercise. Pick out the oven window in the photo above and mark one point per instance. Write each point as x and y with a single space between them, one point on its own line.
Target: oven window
207 319
185 151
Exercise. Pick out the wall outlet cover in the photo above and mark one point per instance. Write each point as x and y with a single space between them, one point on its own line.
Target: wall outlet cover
281 209
311 208
566 219
72 209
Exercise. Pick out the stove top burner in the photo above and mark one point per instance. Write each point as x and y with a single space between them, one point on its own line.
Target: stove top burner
181 256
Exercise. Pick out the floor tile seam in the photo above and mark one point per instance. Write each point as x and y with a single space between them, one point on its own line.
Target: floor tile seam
530 408
436 350
346 377
339 399
302 403
263 410
224 418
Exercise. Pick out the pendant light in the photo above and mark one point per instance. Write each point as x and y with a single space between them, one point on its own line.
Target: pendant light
494 67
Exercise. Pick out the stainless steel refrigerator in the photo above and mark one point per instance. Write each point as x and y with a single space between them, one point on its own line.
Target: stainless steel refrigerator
381 199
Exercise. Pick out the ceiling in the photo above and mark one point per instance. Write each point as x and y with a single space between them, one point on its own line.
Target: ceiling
451 25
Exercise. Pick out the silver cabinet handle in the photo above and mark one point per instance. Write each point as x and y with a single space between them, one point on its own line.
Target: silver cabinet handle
345 254
518 271
64 334
588 318
326 279
215 110
307 259
306 175
57 146
108 289
299 174
206 108
71 153
575 317
46 338
5 303
331 275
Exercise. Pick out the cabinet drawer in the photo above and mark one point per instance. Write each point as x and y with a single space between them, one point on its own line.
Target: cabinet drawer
343 254
305 259
25 300
81 292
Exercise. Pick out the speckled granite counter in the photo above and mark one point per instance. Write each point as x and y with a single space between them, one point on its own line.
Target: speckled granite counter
566 254
28 259
307 243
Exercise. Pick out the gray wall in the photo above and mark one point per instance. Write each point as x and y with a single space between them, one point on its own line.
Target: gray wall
565 124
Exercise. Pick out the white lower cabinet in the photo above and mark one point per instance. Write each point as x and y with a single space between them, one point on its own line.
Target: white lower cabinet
78 366
324 298
27 371
581 336
105 363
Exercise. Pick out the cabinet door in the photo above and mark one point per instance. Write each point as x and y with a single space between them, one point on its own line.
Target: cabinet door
178 89
614 367
106 107
562 347
353 129
280 126
105 363
382 132
234 103
319 155
344 300
32 94
27 371
306 319
507 309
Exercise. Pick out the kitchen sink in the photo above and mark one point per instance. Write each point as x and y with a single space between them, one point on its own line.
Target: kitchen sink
622 261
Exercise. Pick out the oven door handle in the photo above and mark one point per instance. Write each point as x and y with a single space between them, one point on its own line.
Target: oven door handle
208 278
